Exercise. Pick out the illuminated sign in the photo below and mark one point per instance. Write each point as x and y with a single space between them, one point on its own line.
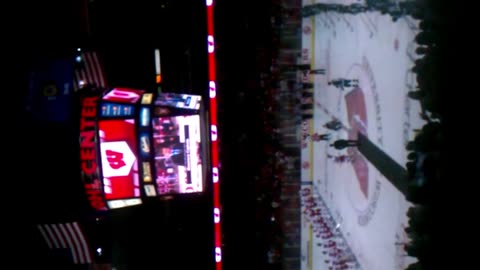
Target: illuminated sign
125 95
144 144
211 44
147 98
117 159
118 150
147 172
212 89
150 190
218 254
215 174
88 153
123 203
213 121
216 215
213 133
112 109
145 117
182 101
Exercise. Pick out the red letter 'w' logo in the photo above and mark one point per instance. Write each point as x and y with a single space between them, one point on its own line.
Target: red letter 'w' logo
115 159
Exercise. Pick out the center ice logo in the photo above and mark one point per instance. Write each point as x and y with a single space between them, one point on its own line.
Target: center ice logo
357 117
363 114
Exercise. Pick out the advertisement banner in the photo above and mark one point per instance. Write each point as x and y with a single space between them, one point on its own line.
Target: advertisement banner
118 151
50 90
114 110
124 95
182 101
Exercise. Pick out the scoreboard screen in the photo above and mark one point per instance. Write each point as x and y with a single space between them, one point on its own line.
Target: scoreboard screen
141 145
177 155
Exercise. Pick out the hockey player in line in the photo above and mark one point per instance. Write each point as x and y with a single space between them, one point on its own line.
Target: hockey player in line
341 158
342 144
342 83
306 67
315 137
334 125
320 71
294 68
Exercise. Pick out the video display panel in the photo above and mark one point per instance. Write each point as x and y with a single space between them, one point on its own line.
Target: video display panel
182 101
124 95
177 154
115 109
118 151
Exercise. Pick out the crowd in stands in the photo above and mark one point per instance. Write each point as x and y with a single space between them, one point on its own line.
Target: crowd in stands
425 157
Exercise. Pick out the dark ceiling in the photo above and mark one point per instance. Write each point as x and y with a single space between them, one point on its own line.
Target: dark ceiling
125 33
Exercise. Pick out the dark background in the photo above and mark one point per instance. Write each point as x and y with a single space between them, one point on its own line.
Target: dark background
125 33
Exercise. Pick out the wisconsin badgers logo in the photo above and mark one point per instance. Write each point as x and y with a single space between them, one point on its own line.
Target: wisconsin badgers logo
115 159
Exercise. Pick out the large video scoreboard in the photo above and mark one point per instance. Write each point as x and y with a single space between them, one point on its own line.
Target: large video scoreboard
135 145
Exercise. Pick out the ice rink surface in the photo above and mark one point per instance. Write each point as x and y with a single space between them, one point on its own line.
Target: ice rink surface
369 213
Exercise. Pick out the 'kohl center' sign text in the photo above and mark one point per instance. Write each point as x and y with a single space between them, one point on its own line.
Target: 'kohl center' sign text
88 153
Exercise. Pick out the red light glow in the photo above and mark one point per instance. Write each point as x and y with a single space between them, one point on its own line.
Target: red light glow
214 133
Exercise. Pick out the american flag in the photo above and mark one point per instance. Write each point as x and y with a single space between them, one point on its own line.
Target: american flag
67 236
89 71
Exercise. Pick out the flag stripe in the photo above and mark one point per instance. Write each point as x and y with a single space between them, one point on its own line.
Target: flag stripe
52 236
67 236
91 72
70 244
73 236
59 235
78 248
45 236
97 69
89 69
92 68
101 71
83 242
